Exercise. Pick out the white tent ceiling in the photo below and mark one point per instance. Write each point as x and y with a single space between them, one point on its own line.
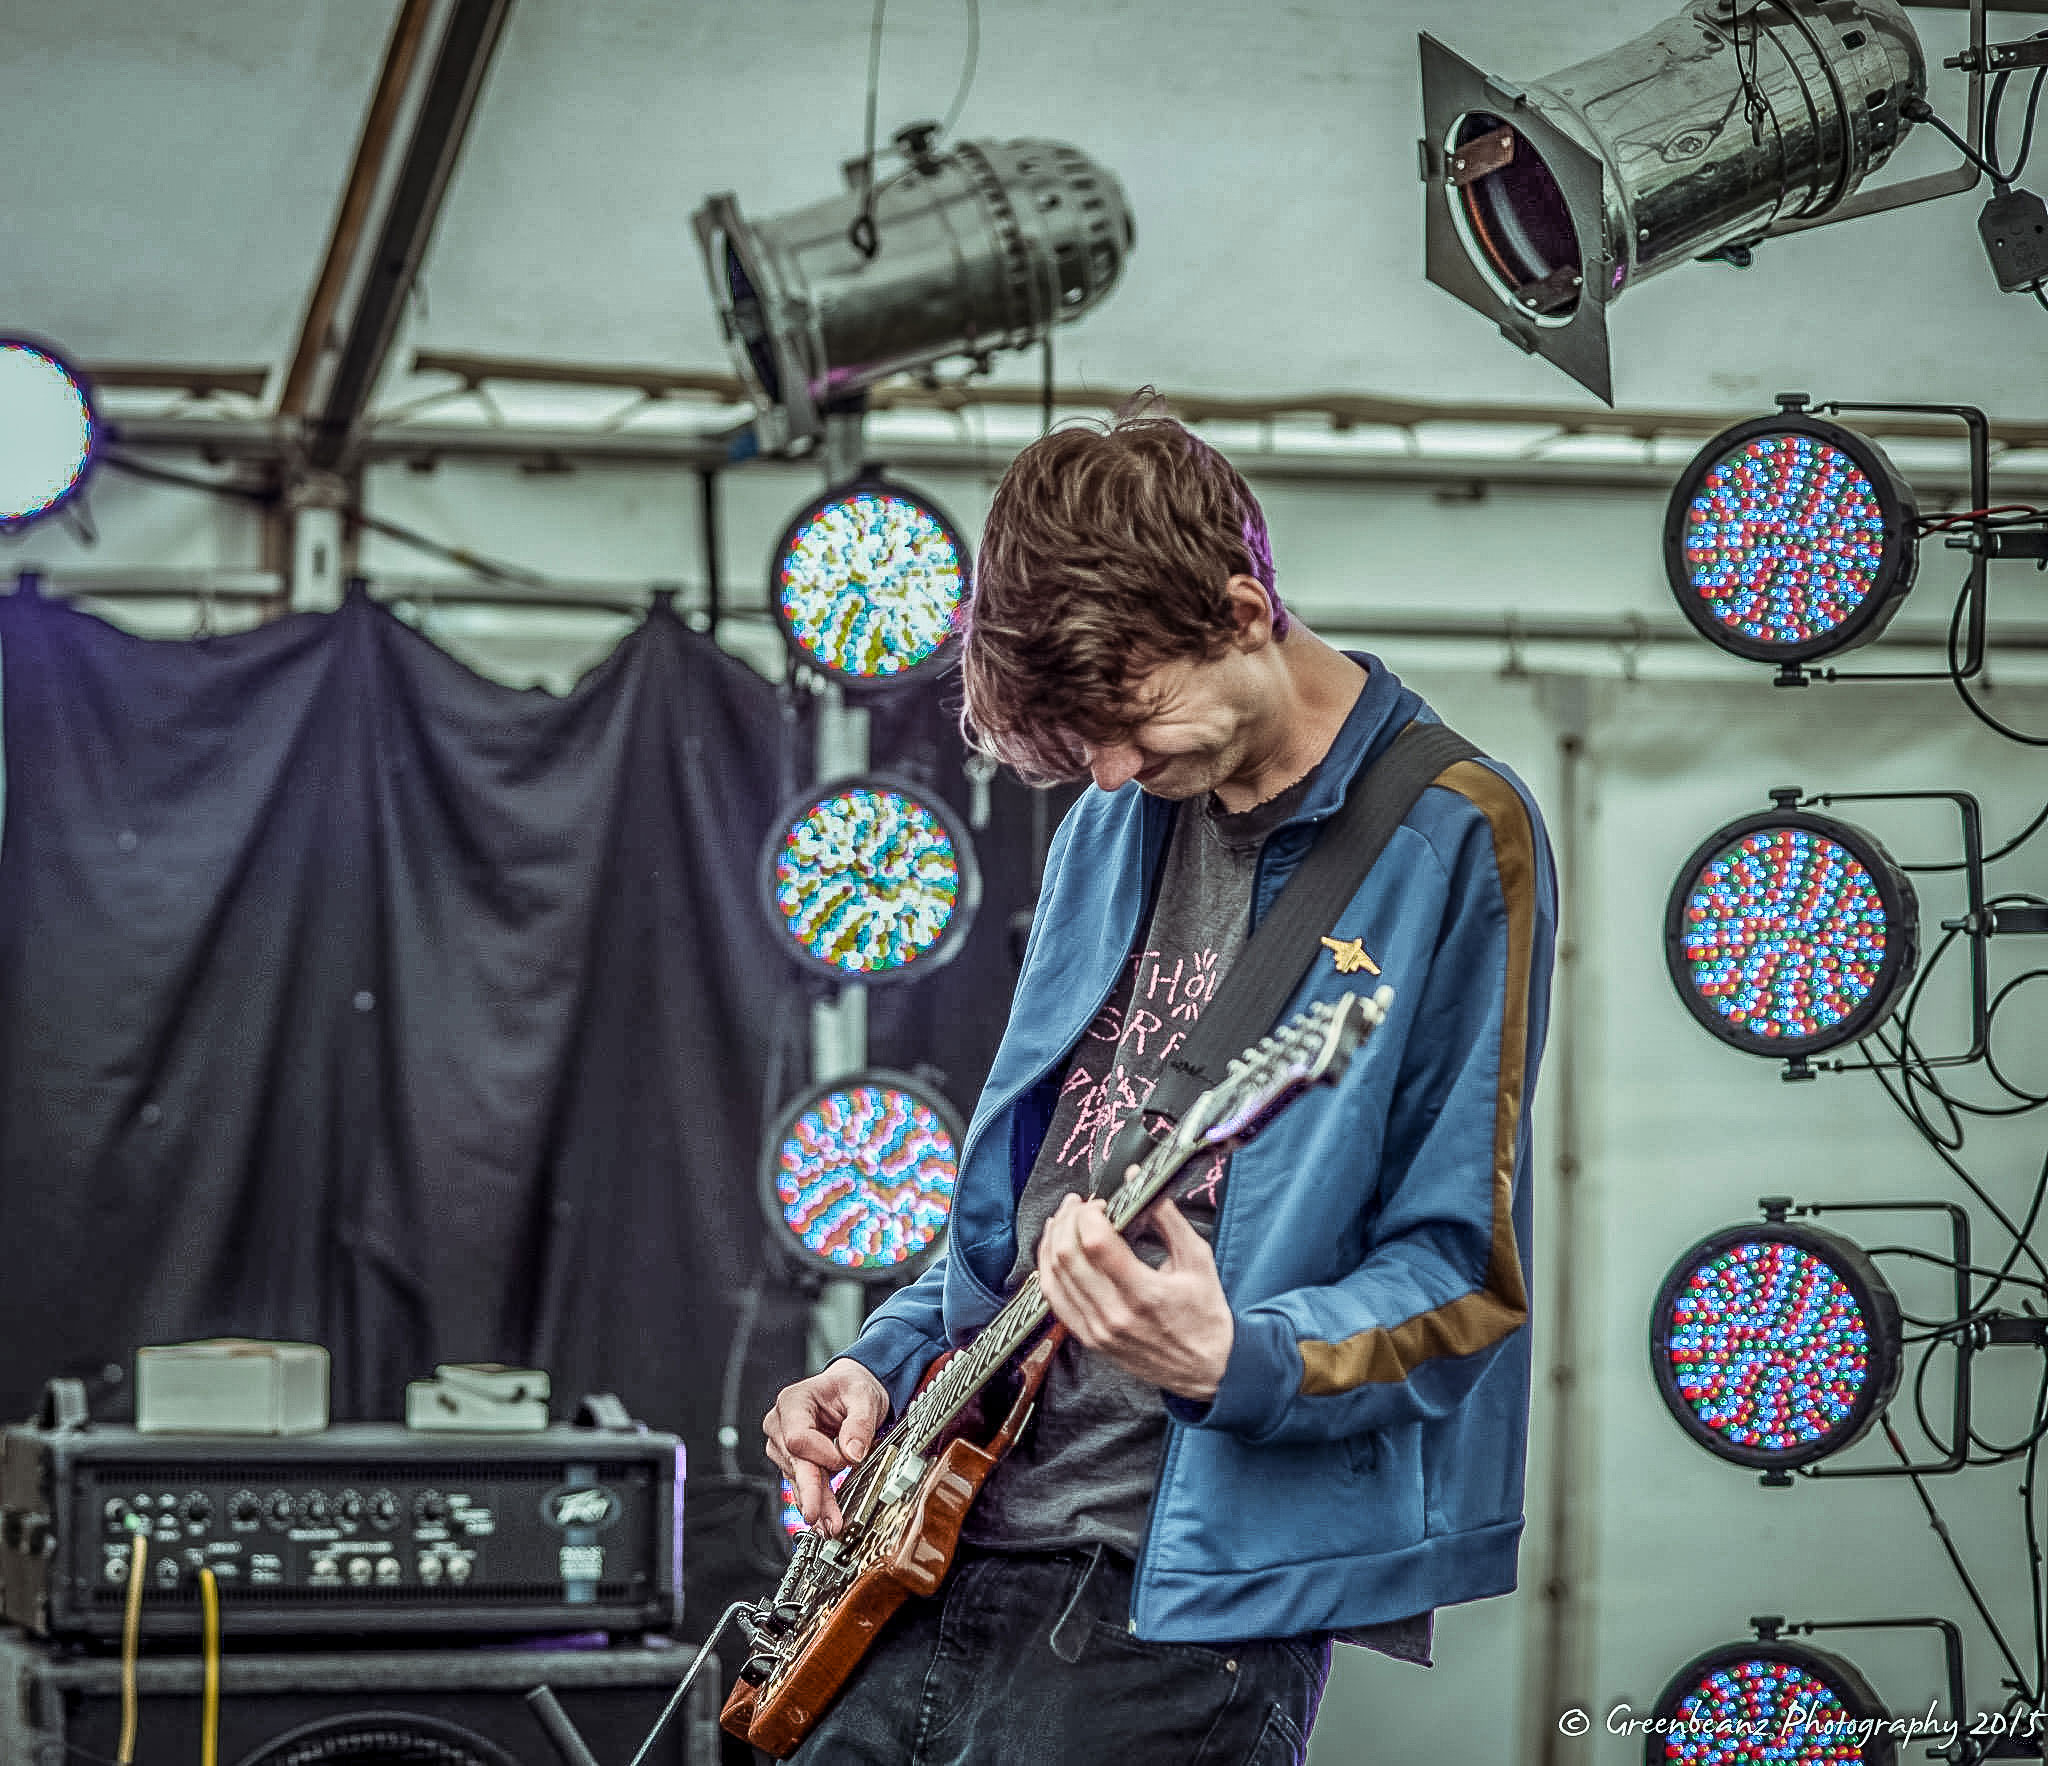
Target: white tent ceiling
174 170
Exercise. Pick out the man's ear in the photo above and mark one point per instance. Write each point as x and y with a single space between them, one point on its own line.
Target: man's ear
1252 609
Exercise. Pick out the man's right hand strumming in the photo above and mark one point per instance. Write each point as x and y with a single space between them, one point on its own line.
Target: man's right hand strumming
820 1426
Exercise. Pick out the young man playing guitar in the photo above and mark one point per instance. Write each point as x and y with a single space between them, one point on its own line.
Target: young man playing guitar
1293 1408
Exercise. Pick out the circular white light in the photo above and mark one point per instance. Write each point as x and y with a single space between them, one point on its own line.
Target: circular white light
46 431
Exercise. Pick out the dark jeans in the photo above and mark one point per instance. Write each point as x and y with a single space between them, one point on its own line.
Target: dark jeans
1028 1658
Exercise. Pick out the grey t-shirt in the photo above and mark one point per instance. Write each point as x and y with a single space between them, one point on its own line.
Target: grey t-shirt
1084 1472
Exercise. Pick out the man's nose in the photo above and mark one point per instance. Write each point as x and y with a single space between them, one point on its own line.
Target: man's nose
1111 767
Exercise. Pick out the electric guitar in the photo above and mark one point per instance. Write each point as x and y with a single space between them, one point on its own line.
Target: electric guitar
905 1502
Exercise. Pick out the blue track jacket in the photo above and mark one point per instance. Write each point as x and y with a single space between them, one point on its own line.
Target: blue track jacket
1362 1459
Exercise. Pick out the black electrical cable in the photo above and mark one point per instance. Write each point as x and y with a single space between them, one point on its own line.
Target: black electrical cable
1975 1188
968 64
2034 1099
1948 1545
2032 1439
2012 846
861 234
1962 686
1918 110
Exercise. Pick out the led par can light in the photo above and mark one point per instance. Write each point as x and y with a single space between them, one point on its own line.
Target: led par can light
1769 1704
869 878
867 581
49 431
984 246
1550 197
1789 933
857 1175
1790 537
1775 1344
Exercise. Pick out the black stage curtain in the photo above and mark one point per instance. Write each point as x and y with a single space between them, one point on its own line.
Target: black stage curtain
348 997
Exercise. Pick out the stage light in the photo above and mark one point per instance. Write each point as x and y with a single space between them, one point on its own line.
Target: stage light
1769 1704
1788 538
1549 198
870 879
984 246
1775 1344
866 582
857 1175
49 431
1788 933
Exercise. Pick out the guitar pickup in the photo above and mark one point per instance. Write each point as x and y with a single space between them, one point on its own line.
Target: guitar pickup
904 1477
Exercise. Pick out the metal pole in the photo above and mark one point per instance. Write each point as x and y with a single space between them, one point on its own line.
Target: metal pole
1562 1617
839 1026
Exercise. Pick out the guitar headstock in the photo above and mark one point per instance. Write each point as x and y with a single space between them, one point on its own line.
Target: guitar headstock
1311 1048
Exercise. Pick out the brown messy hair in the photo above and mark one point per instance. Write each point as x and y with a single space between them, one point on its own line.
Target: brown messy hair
1106 553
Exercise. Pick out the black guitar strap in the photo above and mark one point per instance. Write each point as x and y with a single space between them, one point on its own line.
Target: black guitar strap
1290 938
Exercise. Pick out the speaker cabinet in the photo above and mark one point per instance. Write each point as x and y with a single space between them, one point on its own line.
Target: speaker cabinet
429 1707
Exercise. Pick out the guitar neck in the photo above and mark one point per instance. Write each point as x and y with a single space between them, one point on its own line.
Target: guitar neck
973 1367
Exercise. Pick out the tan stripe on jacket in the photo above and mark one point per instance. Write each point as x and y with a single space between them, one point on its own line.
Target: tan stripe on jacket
1501 1303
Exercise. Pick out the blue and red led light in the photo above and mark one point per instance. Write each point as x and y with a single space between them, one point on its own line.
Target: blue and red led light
1785 539
1785 934
863 1177
1775 1345
1768 1346
1761 1710
1790 537
1789 933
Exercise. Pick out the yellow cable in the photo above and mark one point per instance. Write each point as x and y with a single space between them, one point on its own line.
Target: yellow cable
209 1715
131 1643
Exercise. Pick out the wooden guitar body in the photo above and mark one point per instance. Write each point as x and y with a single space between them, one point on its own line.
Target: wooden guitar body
778 1714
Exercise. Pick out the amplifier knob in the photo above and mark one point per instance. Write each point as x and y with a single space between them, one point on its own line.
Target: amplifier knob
325 1567
359 1570
348 1507
244 1510
316 1509
432 1509
384 1509
197 1509
387 1570
458 1569
166 1572
278 1509
117 1511
430 1567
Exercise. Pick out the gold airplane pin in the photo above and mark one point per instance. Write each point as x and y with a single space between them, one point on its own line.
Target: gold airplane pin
1350 956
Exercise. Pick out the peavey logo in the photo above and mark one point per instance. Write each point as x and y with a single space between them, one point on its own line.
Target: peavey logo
589 1507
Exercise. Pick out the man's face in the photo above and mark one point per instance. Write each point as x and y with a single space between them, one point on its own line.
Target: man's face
1190 730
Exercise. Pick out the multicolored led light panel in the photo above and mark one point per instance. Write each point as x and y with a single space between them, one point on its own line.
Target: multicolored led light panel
793 1522
1770 1705
1789 539
860 1176
1783 937
48 432
869 881
1775 1344
867 584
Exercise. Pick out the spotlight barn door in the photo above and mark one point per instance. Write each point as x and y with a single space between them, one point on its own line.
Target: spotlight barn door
448 1707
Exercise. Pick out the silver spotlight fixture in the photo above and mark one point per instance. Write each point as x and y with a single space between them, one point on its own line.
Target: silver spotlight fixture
1735 119
983 246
